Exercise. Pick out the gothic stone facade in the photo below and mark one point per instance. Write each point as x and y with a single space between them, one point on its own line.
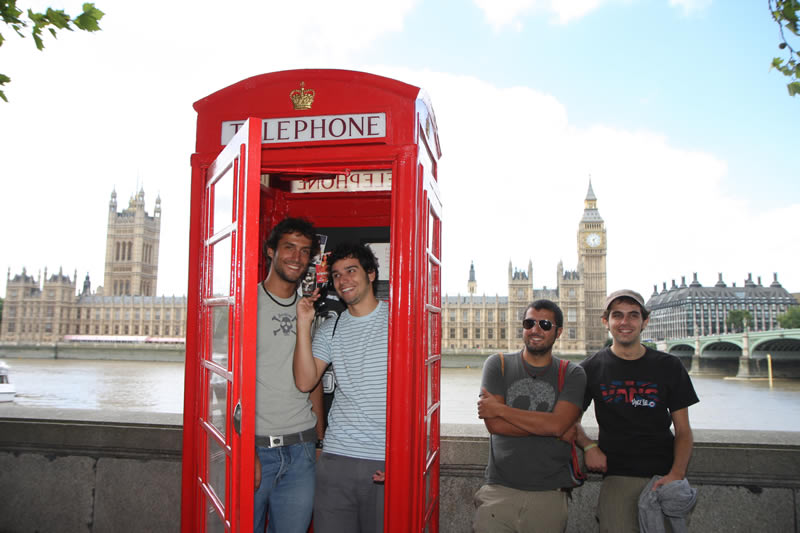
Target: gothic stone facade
50 309
132 239
485 324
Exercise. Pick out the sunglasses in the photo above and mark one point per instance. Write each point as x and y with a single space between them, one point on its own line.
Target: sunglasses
529 323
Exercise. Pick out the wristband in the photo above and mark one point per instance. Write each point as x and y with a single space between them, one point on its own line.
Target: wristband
319 444
589 447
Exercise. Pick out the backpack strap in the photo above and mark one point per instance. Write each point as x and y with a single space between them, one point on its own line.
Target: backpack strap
578 476
502 364
562 373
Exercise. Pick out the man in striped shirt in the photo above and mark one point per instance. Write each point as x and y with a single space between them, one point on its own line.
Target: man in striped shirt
349 489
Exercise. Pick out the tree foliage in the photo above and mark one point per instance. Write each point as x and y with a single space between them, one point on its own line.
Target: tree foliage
736 319
785 13
51 20
791 318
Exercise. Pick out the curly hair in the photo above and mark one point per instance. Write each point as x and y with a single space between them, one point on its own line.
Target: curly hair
362 252
291 225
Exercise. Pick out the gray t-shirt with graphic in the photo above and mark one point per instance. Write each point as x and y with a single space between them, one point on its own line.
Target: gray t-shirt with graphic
281 408
533 462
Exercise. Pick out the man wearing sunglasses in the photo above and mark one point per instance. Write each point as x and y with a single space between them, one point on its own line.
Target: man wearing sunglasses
529 416
638 393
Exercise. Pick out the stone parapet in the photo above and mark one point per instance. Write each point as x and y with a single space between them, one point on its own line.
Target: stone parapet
68 470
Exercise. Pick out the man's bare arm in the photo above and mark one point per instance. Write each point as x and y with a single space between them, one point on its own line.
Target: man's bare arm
592 454
318 408
553 424
307 369
684 442
496 425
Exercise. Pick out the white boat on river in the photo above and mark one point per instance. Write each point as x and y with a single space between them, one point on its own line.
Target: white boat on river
7 390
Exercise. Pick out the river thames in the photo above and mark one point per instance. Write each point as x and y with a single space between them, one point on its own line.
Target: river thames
155 387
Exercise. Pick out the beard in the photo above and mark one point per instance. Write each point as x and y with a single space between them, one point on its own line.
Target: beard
282 274
539 349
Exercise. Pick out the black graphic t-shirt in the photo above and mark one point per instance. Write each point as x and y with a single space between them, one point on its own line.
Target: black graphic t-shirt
633 402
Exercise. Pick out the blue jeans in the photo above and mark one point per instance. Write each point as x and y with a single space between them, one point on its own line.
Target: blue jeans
287 488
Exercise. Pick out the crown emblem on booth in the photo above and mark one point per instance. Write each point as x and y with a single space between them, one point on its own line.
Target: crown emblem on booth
302 98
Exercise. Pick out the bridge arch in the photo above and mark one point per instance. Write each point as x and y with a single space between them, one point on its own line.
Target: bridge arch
721 349
681 349
784 353
718 356
723 353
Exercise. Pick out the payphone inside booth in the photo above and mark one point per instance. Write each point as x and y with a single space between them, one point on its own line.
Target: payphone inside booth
356 154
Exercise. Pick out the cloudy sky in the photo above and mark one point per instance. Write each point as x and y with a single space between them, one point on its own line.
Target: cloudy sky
669 105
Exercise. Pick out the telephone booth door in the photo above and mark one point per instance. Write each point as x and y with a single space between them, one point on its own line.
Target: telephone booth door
225 211
239 192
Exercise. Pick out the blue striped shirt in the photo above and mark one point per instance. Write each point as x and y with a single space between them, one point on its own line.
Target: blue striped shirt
358 351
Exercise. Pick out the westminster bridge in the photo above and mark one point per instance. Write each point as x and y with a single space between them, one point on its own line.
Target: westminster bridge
743 354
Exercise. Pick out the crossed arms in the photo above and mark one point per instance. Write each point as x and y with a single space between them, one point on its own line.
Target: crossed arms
501 419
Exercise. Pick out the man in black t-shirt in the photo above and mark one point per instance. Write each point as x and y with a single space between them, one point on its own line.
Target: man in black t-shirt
638 393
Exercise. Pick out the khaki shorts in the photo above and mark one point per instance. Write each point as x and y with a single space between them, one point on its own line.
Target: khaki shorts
618 504
507 510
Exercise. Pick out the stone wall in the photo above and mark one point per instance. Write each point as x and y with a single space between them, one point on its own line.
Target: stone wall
88 471
746 481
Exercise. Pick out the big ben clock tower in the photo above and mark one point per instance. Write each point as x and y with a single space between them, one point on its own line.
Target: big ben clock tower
592 261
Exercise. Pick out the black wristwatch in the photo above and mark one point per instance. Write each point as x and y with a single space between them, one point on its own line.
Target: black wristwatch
319 444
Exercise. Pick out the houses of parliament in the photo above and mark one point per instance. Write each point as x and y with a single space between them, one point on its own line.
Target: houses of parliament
479 323
49 309
53 308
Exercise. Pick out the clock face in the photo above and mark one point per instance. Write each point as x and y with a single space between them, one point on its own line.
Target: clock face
593 240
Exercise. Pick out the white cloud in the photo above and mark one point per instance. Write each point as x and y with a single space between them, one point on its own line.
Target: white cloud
504 13
501 13
513 176
690 6
114 109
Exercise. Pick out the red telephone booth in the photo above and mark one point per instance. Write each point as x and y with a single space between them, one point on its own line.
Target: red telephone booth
356 154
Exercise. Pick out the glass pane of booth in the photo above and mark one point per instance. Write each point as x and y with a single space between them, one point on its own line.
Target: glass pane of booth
428 443
222 192
436 382
214 523
221 267
219 335
431 233
433 282
428 487
430 334
435 236
428 386
216 468
217 400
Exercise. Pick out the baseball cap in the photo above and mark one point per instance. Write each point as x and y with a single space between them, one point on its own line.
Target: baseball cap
624 293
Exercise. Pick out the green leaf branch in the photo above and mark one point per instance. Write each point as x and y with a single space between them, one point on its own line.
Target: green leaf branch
51 20
785 13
